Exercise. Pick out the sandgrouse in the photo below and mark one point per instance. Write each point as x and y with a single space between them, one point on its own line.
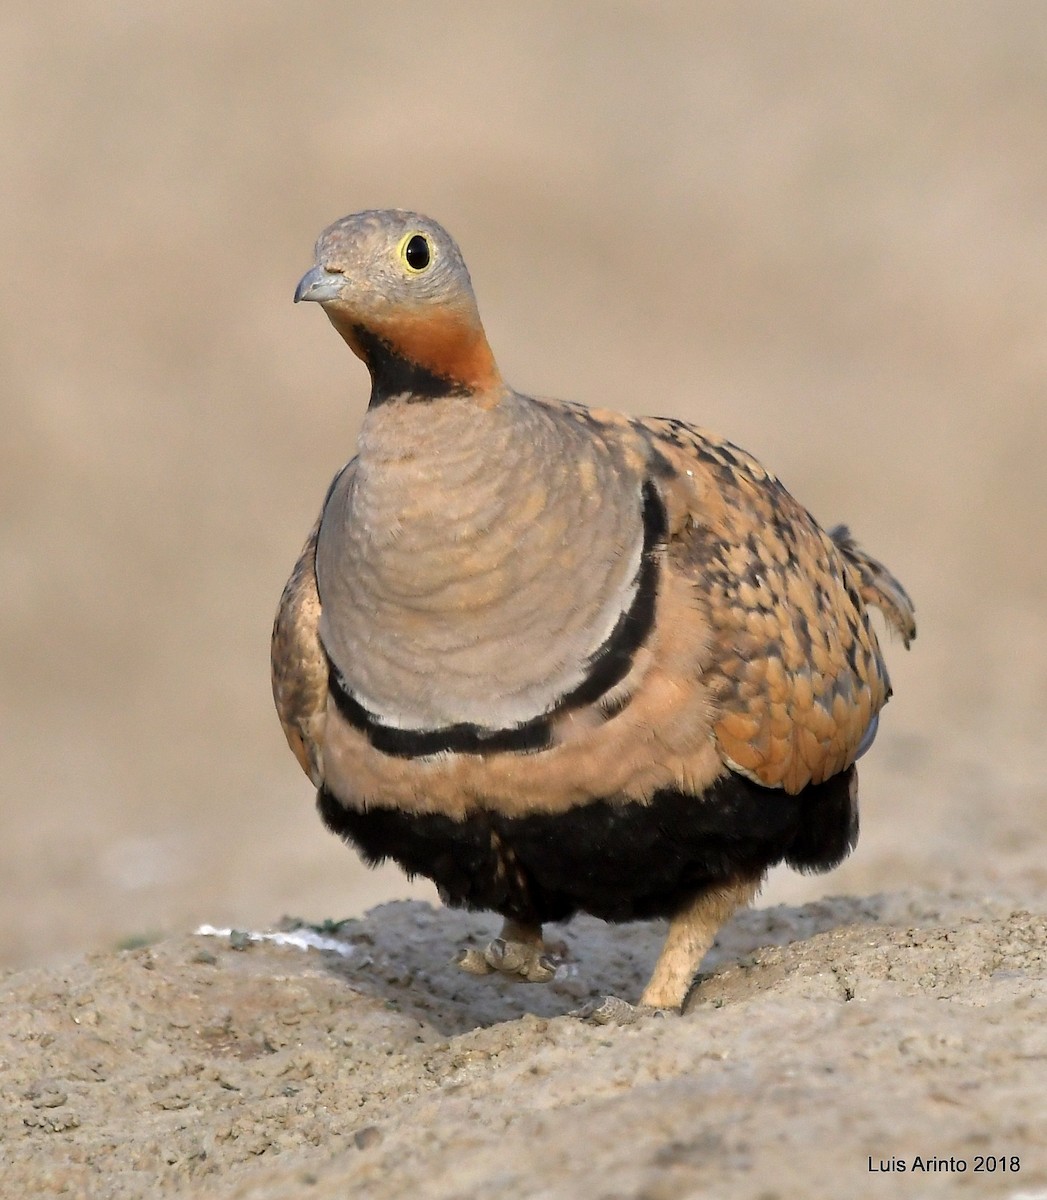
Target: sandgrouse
558 659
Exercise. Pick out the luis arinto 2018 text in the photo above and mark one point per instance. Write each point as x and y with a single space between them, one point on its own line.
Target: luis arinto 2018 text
989 1164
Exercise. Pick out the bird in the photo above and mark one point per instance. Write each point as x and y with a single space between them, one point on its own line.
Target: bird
560 659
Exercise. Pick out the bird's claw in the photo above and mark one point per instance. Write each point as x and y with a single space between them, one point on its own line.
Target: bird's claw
612 1010
472 960
519 959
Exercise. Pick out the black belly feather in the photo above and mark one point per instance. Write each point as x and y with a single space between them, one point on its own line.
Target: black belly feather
621 862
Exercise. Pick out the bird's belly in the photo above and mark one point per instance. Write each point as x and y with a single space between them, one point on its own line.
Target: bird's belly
619 861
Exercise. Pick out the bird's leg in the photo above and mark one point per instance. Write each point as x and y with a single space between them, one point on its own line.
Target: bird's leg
691 933
518 950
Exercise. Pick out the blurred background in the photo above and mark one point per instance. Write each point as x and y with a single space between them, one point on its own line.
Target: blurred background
818 228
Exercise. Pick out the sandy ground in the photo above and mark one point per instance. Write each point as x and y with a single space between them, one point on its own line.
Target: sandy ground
829 1044
817 228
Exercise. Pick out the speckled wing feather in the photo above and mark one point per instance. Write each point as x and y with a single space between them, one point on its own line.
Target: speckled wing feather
796 671
299 669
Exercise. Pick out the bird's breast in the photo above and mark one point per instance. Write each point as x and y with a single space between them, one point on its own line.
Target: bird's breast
457 590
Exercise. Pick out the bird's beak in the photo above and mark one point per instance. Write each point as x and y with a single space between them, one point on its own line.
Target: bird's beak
319 284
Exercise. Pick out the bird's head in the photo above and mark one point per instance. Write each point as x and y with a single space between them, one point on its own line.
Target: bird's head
396 288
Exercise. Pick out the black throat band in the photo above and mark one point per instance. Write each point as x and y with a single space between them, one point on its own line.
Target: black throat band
395 377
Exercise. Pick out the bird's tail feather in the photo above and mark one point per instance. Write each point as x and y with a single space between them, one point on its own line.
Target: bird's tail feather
878 586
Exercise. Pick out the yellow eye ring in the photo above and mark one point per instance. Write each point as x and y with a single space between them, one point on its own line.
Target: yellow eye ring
415 252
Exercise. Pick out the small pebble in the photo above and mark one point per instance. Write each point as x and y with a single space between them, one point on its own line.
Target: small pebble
370 1135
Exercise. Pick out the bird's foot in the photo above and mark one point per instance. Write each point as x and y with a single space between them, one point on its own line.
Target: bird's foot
612 1010
522 960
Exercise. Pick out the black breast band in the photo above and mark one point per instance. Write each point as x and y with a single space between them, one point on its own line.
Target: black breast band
606 668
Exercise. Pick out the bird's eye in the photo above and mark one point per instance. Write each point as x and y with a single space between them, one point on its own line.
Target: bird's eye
415 252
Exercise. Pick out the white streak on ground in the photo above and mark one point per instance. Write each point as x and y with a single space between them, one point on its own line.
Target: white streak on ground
302 939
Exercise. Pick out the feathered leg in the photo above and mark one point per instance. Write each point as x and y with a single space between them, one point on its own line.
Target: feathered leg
691 933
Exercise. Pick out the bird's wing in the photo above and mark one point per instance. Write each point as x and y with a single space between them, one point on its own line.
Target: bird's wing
795 669
299 665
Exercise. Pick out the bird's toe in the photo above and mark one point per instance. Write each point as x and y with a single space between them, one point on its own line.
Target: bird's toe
520 960
473 961
613 1010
